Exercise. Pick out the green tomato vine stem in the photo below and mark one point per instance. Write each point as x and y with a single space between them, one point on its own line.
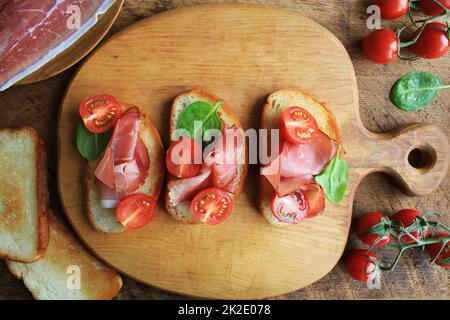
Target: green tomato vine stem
421 28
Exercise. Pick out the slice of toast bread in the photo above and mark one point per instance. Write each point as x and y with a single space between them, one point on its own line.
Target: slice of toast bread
23 195
182 212
275 105
105 220
55 276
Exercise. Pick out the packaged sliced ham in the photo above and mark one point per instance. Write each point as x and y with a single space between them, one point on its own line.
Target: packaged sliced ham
33 32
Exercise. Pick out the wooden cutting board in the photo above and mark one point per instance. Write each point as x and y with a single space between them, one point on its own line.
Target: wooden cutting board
242 53
79 49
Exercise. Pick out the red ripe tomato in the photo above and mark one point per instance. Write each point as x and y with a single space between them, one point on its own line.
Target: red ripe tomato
181 158
381 46
392 9
368 221
406 218
360 266
431 8
100 113
292 208
315 198
433 249
433 42
136 210
212 206
298 126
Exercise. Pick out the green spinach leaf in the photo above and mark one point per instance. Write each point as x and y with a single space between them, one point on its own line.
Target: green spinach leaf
334 179
416 90
206 116
91 145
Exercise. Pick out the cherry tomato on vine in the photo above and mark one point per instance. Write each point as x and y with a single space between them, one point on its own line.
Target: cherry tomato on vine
381 46
370 220
406 218
360 264
433 249
392 9
431 8
100 113
433 42
298 126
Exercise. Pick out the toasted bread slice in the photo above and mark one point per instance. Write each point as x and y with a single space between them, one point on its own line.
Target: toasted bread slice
23 195
182 212
54 277
105 220
276 104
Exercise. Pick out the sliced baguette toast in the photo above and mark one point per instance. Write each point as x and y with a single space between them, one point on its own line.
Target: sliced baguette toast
52 277
182 212
105 220
276 104
23 195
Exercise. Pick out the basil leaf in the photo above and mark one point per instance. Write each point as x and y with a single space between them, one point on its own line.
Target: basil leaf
334 179
203 112
415 90
91 145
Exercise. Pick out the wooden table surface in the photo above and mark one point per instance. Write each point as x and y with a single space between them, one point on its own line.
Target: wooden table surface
414 278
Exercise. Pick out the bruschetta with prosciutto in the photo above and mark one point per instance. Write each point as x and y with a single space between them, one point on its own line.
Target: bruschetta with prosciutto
206 170
125 181
307 171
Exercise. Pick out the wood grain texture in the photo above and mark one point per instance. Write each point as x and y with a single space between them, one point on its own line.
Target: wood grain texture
79 49
37 105
242 67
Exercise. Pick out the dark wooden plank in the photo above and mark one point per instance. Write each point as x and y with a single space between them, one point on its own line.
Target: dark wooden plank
414 278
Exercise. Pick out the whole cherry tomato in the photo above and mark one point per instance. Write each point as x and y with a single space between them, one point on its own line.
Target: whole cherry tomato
431 8
381 46
433 249
360 264
370 220
406 218
433 42
392 9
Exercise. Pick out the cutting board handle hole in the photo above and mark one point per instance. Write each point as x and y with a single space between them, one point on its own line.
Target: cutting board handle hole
422 158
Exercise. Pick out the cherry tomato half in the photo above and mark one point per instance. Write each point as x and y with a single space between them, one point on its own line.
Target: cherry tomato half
292 208
360 266
315 198
368 221
136 210
181 158
100 113
406 218
431 8
381 46
433 249
298 126
392 9
433 42
212 206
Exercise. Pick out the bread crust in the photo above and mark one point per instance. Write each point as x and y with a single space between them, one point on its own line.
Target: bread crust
224 110
156 161
61 227
328 125
42 194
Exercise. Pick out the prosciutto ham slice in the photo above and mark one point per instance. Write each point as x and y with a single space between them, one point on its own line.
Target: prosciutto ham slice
219 168
298 163
33 32
125 164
